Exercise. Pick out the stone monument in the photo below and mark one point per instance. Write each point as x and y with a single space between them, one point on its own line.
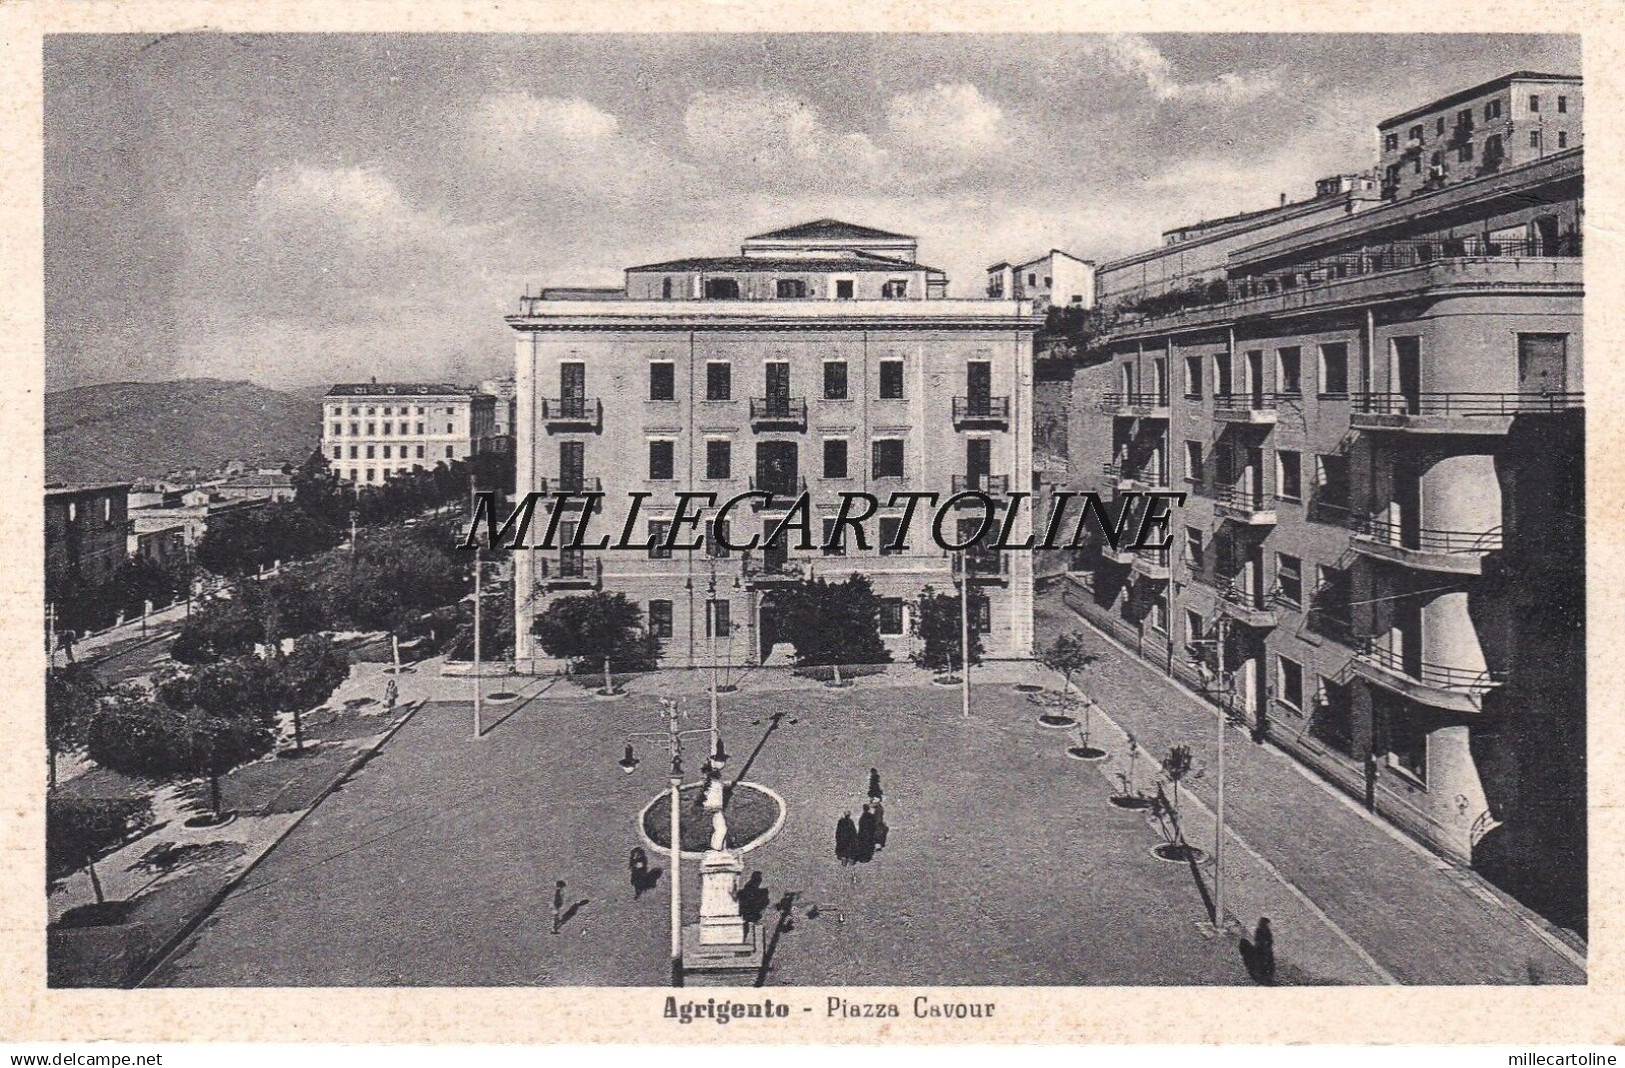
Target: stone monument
722 940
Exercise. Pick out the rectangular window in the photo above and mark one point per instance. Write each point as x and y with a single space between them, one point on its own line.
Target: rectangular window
718 458
1534 138
1193 377
372 474
790 288
888 458
1194 550
1288 475
1158 617
1289 371
660 619
717 621
352 452
1492 110
1464 152
449 429
662 381
386 452
450 452
835 458
372 430
387 428
355 429
1334 370
338 452
370 451
1406 742
661 456
843 289
1193 626
834 538
891 615
420 452
891 379
338 430
714 534
1416 132
718 381
835 380
1289 682
890 527
1534 102
895 289
1193 462
1562 105
1562 139
1390 142
1289 579
658 529
981 614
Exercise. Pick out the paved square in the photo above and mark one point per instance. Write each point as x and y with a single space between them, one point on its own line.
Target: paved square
435 864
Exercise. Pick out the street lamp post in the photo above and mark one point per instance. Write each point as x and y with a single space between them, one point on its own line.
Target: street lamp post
674 741
964 634
478 589
1224 715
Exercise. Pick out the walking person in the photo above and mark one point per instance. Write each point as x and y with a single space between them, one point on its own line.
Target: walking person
558 905
1264 951
1371 770
391 692
638 863
846 840
874 785
866 835
881 829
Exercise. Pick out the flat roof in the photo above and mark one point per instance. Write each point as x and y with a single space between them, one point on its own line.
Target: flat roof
1478 90
62 489
391 389
787 264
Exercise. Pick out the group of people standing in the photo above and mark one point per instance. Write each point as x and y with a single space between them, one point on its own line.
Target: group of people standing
857 843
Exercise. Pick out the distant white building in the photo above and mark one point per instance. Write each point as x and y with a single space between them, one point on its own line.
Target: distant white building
371 431
1054 278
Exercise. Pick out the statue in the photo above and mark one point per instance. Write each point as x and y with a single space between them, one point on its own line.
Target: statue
719 832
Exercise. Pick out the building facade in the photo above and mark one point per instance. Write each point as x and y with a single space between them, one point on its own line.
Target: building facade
373 431
1505 123
86 528
1054 278
765 372
1380 425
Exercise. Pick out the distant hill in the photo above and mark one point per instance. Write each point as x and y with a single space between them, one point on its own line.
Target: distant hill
130 430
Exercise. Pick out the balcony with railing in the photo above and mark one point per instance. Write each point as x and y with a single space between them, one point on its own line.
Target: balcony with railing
569 484
1252 505
1152 564
767 569
1454 413
1328 508
784 491
1143 405
1116 475
573 413
994 486
1255 408
1437 685
981 412
1247 602
778 413
1458 552
569 569
986 566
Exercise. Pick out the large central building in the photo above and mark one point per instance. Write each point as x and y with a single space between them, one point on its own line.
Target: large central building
824 357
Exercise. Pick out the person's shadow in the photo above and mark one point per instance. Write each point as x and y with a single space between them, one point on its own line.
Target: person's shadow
644 881
569 914
753 899
1260 964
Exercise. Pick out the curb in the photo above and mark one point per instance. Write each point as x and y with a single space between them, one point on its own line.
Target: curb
169 947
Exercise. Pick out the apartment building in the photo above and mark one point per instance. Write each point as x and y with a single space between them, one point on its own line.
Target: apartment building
1054 278
823 358
372 431
1380 423
86 528
1505 123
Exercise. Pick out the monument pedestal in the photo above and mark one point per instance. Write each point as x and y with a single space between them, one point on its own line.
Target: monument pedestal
722 940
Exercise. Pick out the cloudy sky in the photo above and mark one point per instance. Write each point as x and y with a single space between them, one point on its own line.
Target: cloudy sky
304 209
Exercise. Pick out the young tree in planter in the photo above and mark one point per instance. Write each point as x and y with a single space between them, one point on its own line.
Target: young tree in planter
1178 766
79 831
71 696
137 733
833 623
939 633
588 630
1068 655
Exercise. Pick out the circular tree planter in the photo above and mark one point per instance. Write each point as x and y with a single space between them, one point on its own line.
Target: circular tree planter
501 697
1085 752
728 688
209 819
755 815
602 694
1131 802
360 702
945 680
1057 722
308 749
405 669
1178 853
96 914
1029 687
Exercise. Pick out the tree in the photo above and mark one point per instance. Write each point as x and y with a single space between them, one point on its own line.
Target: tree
1178 766
307 677
832 623
496 627
139 734
939 631
222 628
1067 655
79 831
233 545
71 697
597 628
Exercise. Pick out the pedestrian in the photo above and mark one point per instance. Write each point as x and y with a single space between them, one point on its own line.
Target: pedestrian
66 642
881 829
1371 770
874 785
638 863
558 905
846 840
753 899
866 835
1264 943
391 692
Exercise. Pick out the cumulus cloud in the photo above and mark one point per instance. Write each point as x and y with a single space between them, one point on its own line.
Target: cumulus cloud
364 203
1138 56
773 131
567 144
952 119
513 118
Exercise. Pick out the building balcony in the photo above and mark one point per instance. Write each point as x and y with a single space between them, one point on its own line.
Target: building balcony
986 566
1254 507
759 570
1254 408
569 569
1435 685
1152 563
1135 405
981 412
1116 476
785 493
1328 511
572 413
995 486
576 484
1244 604
778 413
1454 413
1457 552
1147 478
